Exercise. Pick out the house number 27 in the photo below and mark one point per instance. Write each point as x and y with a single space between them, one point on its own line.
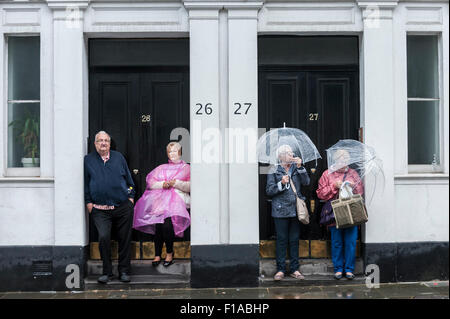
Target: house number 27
313 116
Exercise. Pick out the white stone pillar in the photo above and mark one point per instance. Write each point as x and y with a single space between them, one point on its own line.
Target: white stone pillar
243 122
69 66
378 102
205 132
224 208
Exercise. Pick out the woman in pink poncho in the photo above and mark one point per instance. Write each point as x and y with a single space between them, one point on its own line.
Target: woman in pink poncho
343 241
162 209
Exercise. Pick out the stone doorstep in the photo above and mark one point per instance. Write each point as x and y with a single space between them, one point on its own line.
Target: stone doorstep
143 267
140 282
317 272
309 281
143 279
183 267
308 267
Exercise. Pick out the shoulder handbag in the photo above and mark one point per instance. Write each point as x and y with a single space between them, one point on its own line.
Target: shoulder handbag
327 214
302 210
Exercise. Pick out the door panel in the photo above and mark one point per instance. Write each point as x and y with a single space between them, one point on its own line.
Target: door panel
325 105
165 97
139 109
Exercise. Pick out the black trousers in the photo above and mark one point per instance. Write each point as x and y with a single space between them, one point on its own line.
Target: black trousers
164 234
122 218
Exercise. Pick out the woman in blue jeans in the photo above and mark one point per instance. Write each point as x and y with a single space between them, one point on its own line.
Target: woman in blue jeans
284 209
343 241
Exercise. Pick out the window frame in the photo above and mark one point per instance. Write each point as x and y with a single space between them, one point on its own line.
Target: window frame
429 168
18 171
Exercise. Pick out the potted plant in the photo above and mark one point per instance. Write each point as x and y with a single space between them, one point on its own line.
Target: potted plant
28 128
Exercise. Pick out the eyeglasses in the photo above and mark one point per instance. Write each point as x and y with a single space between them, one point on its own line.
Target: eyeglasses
100 141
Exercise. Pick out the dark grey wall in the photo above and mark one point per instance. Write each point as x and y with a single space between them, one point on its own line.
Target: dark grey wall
138 52
300 50
419 261
40 268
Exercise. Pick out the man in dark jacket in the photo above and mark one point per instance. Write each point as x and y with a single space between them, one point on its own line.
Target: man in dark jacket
109 196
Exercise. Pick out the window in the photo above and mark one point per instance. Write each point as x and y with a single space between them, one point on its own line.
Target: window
23 101
424 151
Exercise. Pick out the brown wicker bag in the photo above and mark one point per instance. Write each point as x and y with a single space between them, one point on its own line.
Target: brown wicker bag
349 211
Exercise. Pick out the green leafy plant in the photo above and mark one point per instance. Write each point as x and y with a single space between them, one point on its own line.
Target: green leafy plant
28 128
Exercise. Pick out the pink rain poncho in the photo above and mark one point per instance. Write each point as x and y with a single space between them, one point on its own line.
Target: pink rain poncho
326 189
157 204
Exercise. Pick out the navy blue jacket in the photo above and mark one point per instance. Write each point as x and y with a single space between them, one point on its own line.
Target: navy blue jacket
283 197
107 183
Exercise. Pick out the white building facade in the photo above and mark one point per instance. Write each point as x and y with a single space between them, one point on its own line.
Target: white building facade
42 211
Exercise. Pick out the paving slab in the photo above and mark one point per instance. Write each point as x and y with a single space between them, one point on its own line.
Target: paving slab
349 291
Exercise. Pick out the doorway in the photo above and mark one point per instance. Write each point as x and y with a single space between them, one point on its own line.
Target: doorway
138 93
310 83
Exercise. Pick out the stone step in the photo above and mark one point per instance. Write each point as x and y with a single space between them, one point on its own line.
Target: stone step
310 280
183 267
140 282
317 272
143 268
321 267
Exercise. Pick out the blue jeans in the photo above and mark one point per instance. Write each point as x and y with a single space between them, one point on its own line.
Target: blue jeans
343 248
288 232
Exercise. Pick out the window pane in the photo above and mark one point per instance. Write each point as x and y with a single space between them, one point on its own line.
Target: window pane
23 134
423 79
23 68
423 132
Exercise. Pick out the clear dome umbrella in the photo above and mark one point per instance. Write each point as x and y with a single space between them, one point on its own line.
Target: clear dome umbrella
363 159
301 145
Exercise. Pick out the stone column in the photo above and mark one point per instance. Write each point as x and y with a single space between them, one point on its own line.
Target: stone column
243 135
378 103
224 181
69 67
205 142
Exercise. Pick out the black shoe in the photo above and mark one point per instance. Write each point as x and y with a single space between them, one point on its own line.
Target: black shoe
349 276
337 277
124 277
103 279
156 263
167 263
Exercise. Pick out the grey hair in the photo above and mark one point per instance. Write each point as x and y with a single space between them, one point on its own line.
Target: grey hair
282 149
102 132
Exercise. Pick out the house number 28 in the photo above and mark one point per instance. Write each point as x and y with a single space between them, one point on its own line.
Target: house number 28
145 118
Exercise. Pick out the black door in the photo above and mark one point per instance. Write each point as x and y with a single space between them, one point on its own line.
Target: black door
138 107
324 103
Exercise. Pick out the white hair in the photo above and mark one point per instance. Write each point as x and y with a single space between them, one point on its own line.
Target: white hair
283 149
341 155
102 132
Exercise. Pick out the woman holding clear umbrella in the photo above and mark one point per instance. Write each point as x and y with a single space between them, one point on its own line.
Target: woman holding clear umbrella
343 241
284 212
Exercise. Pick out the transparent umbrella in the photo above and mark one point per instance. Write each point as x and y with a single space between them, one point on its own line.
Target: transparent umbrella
299 142
363 159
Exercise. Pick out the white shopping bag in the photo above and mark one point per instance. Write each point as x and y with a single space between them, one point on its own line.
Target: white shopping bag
345 190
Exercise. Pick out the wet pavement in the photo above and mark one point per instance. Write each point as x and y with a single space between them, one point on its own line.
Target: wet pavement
415 290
